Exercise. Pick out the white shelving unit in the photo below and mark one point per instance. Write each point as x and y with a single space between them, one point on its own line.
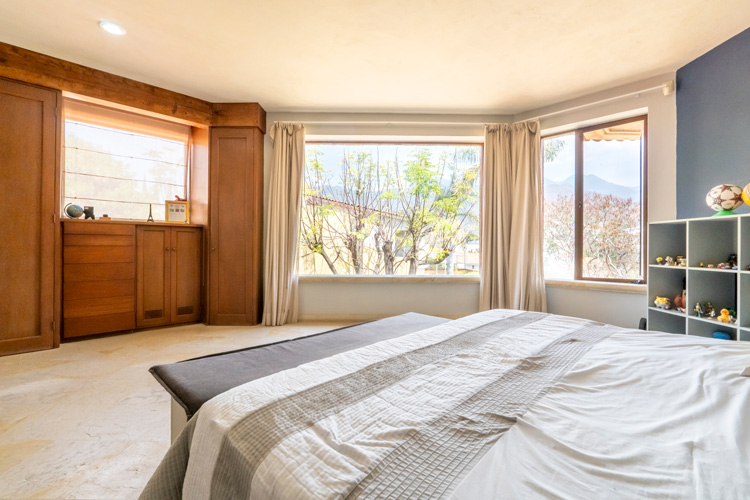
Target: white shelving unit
709 240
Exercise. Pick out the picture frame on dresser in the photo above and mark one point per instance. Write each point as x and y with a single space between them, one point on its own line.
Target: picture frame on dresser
177 211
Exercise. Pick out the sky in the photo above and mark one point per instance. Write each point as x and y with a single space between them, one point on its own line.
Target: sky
614 161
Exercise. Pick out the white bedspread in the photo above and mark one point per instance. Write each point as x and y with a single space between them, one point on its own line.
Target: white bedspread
642 415
639 415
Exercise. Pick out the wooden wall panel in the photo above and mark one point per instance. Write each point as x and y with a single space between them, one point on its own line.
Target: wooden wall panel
239 114
29 168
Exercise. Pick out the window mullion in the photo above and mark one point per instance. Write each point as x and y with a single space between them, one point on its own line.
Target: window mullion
578 272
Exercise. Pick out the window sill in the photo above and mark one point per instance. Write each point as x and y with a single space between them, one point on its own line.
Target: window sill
439 280
598 286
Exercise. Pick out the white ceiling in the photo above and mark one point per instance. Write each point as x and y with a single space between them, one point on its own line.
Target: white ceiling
432 56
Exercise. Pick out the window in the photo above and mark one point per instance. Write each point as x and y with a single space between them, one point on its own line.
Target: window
390 209
594 192
120 163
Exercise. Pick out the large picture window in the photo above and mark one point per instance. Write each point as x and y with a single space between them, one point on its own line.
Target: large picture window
121 163
594 192
390 209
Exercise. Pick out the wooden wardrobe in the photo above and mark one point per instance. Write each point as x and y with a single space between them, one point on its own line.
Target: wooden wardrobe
236 226
30 125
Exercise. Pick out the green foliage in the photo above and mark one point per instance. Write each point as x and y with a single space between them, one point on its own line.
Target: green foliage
387 217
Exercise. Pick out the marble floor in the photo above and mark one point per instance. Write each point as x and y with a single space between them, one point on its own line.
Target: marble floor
87 420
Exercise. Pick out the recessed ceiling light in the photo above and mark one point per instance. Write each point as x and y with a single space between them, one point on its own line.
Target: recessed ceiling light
111 27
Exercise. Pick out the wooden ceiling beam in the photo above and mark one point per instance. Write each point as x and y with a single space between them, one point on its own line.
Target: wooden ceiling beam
25 65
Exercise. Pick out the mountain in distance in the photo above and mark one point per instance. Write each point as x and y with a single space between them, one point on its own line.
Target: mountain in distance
591 183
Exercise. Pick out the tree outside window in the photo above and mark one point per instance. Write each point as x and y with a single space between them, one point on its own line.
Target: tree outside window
390 209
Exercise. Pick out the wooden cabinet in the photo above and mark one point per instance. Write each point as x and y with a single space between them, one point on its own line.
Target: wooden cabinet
168 275
121 276
98 278
29 190
236 226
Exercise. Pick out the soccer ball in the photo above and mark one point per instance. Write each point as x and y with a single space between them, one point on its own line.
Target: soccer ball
746 194
725 197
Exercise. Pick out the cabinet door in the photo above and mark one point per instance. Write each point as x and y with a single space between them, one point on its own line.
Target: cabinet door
152 276
29 141
185 270
236 210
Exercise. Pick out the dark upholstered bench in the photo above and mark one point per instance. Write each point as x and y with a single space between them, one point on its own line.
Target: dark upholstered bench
193 382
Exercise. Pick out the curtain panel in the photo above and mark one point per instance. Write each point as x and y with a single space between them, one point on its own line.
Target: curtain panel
511 271
282 224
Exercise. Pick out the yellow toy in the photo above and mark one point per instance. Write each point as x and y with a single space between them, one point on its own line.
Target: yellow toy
663 303
746 194
724 317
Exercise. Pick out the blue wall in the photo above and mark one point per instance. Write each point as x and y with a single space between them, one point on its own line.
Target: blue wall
713 125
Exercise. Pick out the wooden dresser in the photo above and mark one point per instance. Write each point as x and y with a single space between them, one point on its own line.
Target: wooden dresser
122 275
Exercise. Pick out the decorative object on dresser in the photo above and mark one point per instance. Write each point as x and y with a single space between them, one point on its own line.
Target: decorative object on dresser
88 213
177 211
73 211
715 278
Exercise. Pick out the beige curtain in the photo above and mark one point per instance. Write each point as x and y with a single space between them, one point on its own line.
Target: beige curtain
512 275
282 224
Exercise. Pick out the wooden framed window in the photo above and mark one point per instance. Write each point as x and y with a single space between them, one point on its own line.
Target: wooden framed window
595 202
121 162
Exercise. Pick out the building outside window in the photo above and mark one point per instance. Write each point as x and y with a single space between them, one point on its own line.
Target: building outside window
594 202
390 209
121 163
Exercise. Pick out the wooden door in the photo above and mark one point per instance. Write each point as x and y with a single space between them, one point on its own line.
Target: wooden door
152 276
185 271
30 242
236 214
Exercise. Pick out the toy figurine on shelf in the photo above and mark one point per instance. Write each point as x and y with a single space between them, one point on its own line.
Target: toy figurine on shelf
723 265
663 303
724 316
698 309
709 311
660 261
682 261
701 264
732 260
680 301
711 266
669 261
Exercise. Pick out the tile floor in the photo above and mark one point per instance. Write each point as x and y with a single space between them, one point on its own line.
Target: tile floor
87 420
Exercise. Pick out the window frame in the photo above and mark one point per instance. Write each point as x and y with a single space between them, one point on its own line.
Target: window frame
579 195
127 122
395 277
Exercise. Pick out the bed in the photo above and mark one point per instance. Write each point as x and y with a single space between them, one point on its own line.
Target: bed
500 404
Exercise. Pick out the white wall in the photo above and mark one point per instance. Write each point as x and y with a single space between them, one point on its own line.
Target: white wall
364 299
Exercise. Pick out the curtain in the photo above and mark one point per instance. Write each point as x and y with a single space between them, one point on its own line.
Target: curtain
282 224
512 274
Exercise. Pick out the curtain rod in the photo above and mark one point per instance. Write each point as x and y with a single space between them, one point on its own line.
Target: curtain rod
666 87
